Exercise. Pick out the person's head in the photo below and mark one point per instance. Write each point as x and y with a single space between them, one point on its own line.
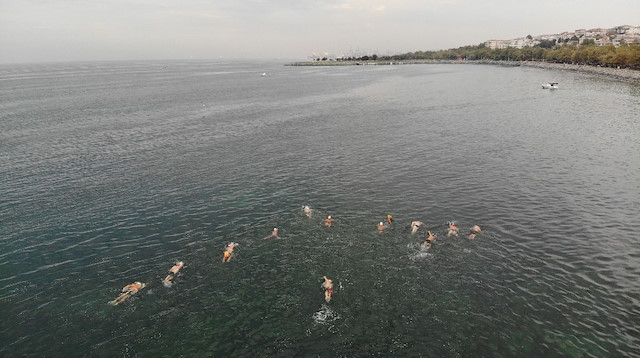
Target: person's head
180 263
329 217
275 229
389 216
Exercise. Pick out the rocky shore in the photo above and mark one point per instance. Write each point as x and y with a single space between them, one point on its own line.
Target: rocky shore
620 74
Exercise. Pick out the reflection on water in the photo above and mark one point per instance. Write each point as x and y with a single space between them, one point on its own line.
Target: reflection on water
116 171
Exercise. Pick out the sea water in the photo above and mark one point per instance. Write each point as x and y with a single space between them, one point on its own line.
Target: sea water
113 171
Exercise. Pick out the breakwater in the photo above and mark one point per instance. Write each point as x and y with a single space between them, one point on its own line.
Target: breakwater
621 74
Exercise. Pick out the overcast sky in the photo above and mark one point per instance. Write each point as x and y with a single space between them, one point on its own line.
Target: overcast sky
70 30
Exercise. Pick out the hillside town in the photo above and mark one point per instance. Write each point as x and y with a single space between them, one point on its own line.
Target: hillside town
613 53
620 35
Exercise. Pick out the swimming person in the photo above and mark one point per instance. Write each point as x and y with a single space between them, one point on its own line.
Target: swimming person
475 230
173 271
307 211
274 234
128 291
228 252
328 288
415 225
389 219
328 221
381 226
453 229
429 240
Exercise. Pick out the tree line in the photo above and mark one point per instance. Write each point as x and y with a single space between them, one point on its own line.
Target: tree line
587 53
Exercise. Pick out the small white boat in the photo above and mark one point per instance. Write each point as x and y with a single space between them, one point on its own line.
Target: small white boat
264 74
550 85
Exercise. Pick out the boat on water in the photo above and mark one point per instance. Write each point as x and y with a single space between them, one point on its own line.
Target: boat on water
550 85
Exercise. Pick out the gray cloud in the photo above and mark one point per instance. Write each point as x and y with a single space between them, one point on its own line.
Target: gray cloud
140 29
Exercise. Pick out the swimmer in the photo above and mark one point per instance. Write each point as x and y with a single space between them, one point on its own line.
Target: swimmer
431 238
274 234
474 231
173 271
328 288
415 225
453 229
127 291
307 211
389 219
382 226
228 252
328 221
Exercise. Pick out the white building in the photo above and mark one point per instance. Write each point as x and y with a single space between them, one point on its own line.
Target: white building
628 30
497 44
602 37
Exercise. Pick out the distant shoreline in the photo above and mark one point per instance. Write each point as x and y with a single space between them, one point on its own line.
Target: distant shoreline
621 74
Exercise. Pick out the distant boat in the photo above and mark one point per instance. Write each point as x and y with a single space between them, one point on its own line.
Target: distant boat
264 74
550 85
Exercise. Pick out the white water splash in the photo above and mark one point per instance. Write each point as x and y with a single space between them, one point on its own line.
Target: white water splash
325 315
418 252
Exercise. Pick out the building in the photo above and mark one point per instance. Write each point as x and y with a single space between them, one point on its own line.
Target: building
616 36
497 44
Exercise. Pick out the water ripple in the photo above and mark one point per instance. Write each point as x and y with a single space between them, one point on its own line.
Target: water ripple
111 181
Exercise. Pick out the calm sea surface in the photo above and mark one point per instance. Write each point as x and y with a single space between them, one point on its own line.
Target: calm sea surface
110 172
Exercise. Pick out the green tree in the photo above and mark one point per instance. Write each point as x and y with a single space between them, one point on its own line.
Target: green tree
527 53
589 54
547 43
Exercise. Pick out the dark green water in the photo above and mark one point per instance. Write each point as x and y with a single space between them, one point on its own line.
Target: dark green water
113 171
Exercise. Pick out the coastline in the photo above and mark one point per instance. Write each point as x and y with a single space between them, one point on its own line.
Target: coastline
620 74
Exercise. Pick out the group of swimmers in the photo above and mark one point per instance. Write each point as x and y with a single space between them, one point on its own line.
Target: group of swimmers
307 212
134 288
385 224
327 285
452 230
